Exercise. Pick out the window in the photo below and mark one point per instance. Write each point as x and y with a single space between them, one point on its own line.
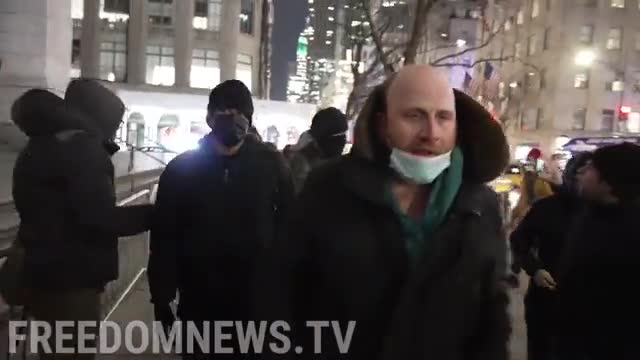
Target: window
520 18
615 38
532 45
160 66
637 47
586 34
579 119
508 24
116 6
530 119
244 69
636 82
208 15
608 117
160 12
205 69
246 17
529 82
581 80
615 86
547 39
501 90
590 3
518 50
617 4
548 5
543 79
113 61
535 9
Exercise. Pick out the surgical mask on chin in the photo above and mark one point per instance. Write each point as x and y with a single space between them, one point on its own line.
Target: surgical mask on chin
419 169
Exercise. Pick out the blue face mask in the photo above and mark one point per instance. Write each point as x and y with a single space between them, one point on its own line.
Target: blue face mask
419 169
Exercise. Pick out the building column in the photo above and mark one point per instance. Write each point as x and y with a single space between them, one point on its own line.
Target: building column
34 51
229 33
90 40
137 43
183 42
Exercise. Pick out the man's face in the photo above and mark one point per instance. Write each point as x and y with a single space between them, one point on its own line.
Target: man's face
421 116
590 184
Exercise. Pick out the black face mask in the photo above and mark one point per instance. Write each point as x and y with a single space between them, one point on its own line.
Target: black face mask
229 129
332 146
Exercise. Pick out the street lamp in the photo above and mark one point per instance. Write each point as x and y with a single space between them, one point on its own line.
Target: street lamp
585 58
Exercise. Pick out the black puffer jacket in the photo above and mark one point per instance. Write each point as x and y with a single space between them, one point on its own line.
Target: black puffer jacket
63 188
346 259
214 216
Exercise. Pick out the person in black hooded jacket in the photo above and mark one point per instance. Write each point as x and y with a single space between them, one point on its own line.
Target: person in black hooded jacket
217 209
421 279
598 308
538 244
328 138
63 189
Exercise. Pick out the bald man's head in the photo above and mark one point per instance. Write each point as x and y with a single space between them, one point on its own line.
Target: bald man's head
420 112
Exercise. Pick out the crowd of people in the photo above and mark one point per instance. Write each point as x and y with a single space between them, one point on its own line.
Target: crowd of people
402 235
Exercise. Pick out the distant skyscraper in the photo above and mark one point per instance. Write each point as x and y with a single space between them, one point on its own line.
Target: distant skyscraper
298 86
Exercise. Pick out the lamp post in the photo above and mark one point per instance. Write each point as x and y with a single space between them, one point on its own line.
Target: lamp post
586 58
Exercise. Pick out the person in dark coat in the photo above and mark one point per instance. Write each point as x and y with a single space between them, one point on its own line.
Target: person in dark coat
63 189
401 235
538 243
597 299
328 138
217 209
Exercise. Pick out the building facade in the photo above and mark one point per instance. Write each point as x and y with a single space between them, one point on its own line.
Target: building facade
567 68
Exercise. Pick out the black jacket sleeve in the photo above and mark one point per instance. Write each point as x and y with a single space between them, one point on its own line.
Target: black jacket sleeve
163 263
92 194
523 240
494 326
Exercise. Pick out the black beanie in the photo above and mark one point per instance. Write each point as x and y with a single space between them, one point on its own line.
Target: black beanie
232 95
328 122
619 166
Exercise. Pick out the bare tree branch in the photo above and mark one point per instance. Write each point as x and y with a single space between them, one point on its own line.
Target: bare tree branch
418 30
484 44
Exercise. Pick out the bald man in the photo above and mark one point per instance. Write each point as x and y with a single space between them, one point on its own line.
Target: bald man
399 245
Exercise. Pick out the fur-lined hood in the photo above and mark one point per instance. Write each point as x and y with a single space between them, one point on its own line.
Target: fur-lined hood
483 143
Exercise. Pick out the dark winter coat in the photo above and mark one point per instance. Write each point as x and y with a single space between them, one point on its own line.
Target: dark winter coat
303 161
598 299
346 259
214 216
540 238
63 188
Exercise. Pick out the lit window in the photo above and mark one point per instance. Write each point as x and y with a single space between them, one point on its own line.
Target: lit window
579 119
247 16
520 19
113 61
160 65
207 15
244 70
614 40
581 81
586 34
615 86
533 43
205 69
617 4
535 9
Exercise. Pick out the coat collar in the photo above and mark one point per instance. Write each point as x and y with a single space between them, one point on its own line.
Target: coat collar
368 180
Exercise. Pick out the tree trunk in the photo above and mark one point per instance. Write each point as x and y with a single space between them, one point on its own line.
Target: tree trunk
418 30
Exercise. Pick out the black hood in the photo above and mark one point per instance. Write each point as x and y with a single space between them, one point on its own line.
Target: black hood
40 113
103 109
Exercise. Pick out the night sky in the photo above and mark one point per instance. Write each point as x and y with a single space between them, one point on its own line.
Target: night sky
288 23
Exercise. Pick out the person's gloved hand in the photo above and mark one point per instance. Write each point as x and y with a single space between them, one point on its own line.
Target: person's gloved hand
544 279
164 314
